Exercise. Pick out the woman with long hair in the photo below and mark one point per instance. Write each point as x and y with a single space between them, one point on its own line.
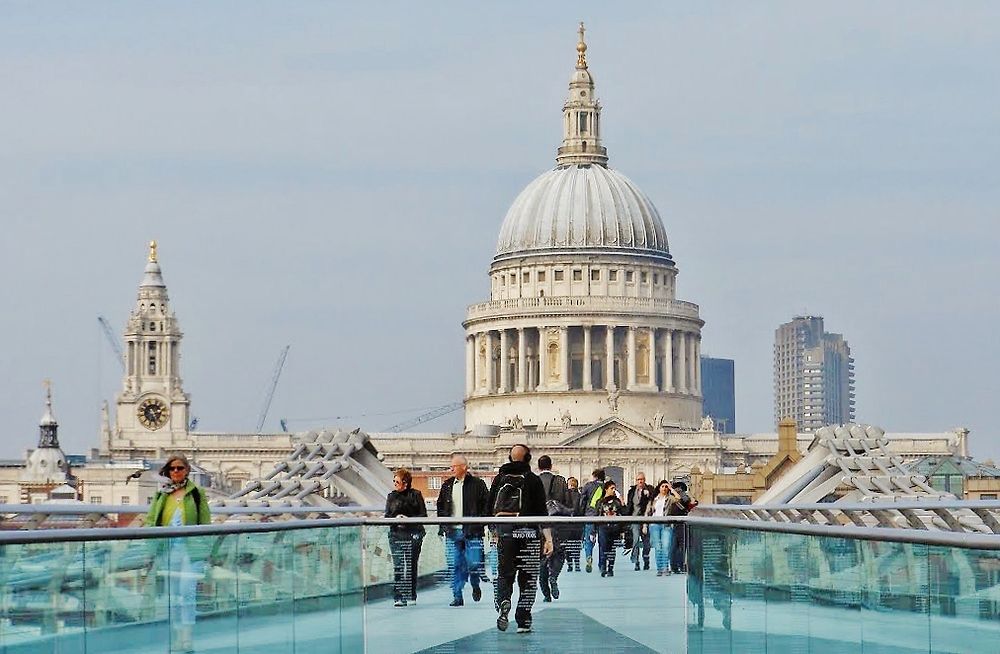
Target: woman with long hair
661 533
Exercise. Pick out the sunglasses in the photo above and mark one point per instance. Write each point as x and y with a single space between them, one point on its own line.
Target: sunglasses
397 481
176 468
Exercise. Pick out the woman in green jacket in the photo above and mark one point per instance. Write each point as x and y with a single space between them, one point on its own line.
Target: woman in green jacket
180 502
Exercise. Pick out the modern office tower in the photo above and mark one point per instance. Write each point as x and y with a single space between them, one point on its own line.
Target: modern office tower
813 375
718 390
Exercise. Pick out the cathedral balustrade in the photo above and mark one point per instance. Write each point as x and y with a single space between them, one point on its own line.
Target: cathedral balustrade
578 304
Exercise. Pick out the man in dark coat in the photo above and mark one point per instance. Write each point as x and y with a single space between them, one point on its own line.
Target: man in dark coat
516 491
463 496
559 502
678 545
639 496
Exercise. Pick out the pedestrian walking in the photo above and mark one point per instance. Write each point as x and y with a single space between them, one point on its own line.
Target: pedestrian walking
463 495
661 533
405 540
517 491
639 496
559 502
681 506
592 493
181 502
574 532
610 505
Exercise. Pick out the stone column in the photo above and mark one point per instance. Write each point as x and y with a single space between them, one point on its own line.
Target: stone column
564 357
682 367
504 362
522 361
631 358
668 361
470 365
696 347
652 358
543 357
609 355
490 388
587 382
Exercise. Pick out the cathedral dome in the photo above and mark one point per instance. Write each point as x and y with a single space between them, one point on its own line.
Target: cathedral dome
582 206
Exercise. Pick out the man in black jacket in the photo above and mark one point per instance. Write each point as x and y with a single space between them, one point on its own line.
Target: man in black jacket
463 496
559 502
516 491
678 544
639 497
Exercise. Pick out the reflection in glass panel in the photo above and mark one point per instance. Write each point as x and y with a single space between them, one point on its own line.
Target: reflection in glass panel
964 598
264 582
42 587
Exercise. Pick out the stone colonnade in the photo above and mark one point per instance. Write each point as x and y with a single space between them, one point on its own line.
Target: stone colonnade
532 359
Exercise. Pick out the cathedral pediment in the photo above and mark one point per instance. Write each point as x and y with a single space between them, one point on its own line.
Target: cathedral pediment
611 432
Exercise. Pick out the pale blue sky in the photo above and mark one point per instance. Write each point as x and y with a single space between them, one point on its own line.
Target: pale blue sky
333 177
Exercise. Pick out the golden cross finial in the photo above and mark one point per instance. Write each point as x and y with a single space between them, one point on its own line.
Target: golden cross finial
47 383
581 49
152 251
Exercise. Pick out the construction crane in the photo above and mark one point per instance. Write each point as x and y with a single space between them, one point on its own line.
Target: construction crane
112 341
426 417
273 386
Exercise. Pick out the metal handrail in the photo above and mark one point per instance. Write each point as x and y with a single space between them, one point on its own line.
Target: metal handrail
938 538
963 540
135 509
901 503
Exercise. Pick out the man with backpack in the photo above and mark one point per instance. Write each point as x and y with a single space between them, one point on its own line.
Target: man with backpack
516 491
558 502
590 496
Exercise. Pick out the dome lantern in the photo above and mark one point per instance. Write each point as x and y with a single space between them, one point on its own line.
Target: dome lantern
581 117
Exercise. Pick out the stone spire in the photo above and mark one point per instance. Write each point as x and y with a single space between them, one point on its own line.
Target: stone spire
48 428
581 116
152 403
152 335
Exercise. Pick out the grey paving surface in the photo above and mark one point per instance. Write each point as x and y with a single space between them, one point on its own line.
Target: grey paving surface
566 630
631 612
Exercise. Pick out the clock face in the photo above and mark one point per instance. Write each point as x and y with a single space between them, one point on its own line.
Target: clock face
153 413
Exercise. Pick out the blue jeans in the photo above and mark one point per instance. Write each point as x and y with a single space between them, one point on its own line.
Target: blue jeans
588 541
465 559
661 537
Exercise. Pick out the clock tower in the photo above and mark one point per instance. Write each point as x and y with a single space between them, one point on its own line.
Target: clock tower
152 408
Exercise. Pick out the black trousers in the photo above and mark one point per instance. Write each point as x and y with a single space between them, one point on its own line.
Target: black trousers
405 549
550 567
572 549
678 548
518 556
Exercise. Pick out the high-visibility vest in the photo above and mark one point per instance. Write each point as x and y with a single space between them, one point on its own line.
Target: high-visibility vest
596 497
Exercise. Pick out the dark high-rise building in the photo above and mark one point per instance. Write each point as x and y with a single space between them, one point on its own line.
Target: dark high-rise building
813 375
718 390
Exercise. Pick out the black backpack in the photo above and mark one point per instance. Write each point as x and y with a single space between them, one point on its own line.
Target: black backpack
509 495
